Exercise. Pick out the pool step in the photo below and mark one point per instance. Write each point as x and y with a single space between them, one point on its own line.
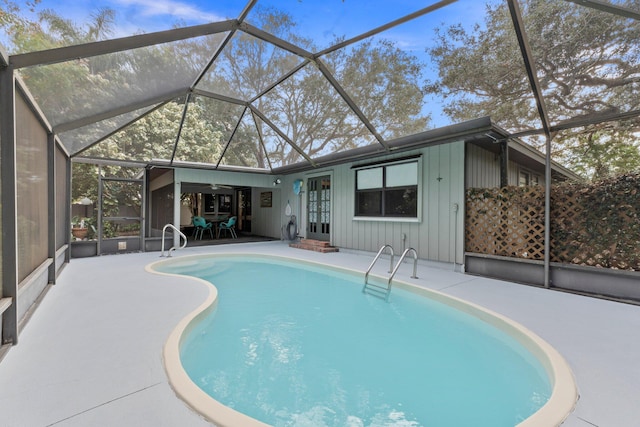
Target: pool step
314 245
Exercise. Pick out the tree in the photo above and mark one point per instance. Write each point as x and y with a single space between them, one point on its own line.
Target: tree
588 62
381 79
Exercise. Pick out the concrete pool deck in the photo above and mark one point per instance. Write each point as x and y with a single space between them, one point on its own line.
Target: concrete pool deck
91 355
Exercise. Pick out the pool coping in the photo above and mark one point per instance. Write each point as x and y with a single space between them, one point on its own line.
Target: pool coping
555 411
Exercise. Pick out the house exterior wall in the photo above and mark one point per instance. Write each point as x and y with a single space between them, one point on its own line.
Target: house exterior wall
436 235
482 169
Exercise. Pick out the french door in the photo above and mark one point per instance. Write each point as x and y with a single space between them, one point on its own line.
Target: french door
319 207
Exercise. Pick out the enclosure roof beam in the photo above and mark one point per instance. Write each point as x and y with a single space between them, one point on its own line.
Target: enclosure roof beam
608 7
576 122
280 80
525 50
282 134
261 139
219 97
103 47
217 53
363 118
110 134
84 121
388 26
235 129
276 41
246 10
180 127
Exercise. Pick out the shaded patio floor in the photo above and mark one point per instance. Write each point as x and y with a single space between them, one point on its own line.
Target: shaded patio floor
91 355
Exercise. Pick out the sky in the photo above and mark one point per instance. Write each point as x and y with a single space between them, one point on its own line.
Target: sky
321 19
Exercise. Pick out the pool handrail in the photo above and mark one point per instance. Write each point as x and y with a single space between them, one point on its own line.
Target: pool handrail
366 275
173 248
415 266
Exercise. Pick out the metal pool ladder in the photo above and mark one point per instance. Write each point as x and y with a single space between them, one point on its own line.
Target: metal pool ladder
385 291
173 248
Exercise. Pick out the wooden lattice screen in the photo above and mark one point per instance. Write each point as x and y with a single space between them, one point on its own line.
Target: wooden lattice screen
506 221
597 225
591 224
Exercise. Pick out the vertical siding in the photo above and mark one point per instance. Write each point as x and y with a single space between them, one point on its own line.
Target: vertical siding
513 172
482 168
432 237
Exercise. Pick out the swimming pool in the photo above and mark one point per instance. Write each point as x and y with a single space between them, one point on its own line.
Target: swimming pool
318 354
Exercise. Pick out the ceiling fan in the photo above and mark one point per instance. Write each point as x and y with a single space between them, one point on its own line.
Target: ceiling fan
220 187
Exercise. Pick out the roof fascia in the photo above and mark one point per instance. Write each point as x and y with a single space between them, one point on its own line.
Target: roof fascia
537 156
87 50
443 135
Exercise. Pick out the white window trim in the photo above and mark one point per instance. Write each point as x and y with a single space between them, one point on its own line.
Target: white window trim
418 218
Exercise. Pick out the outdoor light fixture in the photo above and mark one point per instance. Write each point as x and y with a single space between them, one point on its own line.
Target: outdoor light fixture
85 201
277 181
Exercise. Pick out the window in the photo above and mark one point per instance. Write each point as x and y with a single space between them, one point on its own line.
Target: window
527 178
389 190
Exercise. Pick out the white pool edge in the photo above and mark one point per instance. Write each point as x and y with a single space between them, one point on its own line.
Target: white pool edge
561 403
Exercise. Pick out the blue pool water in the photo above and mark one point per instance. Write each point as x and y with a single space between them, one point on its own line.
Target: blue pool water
303 346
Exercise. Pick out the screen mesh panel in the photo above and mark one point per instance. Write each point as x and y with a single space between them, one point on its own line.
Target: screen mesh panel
76 89
207 128
62 200
32 190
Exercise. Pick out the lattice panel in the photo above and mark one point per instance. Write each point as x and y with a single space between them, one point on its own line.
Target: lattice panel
507 222
595 226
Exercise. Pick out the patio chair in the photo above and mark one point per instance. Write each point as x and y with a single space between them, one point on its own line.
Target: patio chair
230 225
201 225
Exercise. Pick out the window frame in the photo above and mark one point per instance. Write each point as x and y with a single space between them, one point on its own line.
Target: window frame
384 189
531 178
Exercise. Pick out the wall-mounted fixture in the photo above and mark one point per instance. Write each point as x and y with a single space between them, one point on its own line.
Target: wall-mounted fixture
277 181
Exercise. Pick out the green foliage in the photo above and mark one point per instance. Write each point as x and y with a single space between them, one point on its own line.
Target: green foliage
601 154
587 62
598 224
382 80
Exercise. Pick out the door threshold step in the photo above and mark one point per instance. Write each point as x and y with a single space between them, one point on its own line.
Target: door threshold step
314 245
